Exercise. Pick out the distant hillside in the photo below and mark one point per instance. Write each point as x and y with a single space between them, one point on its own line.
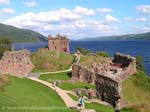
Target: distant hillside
142 36
20 35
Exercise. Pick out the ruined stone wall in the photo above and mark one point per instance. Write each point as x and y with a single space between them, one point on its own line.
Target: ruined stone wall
16 63
107 89
129 71
107 77
128 64
81 73
123 59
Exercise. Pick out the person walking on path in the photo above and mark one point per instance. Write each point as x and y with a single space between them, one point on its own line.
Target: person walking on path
82 102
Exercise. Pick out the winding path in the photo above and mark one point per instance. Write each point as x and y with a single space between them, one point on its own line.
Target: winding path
62 93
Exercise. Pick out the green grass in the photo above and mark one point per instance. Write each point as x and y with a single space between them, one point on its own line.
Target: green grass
99 107
56 76
136 91
90 59
74 85
26 93
51 60
75 98
103 108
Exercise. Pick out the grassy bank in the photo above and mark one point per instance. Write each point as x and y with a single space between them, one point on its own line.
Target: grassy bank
45 60
75 85
56 76
136 90
32 96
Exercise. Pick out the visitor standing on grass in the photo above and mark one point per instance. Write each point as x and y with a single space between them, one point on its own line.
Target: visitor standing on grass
82 102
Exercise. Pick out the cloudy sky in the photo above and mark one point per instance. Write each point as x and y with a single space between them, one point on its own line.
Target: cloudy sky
78 18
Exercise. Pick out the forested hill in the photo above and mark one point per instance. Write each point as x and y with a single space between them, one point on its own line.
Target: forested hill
142 36
20 35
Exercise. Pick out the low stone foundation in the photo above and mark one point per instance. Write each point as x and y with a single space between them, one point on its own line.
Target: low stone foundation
16 63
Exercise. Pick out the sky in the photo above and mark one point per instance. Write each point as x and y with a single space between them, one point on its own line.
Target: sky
78 18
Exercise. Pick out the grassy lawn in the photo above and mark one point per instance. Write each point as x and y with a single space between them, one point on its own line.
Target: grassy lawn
136 92
74 85
102 108
26 93
56 76
66 85
51 60
98 107
75 98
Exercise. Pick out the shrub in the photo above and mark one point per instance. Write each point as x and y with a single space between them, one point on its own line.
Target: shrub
142 80
83 51
102 53
140 63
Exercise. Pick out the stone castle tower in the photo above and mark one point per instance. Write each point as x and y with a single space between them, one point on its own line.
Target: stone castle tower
58 43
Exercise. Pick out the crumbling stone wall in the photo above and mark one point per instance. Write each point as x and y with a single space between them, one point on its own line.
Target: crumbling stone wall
123 59
108 89
17 63
81 73
108 77
128 64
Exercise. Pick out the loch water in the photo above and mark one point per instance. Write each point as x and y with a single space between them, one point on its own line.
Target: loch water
133 48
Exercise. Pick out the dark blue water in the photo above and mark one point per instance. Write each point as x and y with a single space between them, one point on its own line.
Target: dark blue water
133 48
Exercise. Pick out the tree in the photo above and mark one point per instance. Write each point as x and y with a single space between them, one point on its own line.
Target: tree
5 45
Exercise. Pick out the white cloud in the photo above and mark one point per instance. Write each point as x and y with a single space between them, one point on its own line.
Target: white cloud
7 11
141 29
51 17
84 11
146 29
104 10
30 3
4 1
110 19
144 9
65 21
141 19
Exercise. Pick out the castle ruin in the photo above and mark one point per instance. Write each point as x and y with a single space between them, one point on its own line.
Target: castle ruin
108 77
58 43
16 63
